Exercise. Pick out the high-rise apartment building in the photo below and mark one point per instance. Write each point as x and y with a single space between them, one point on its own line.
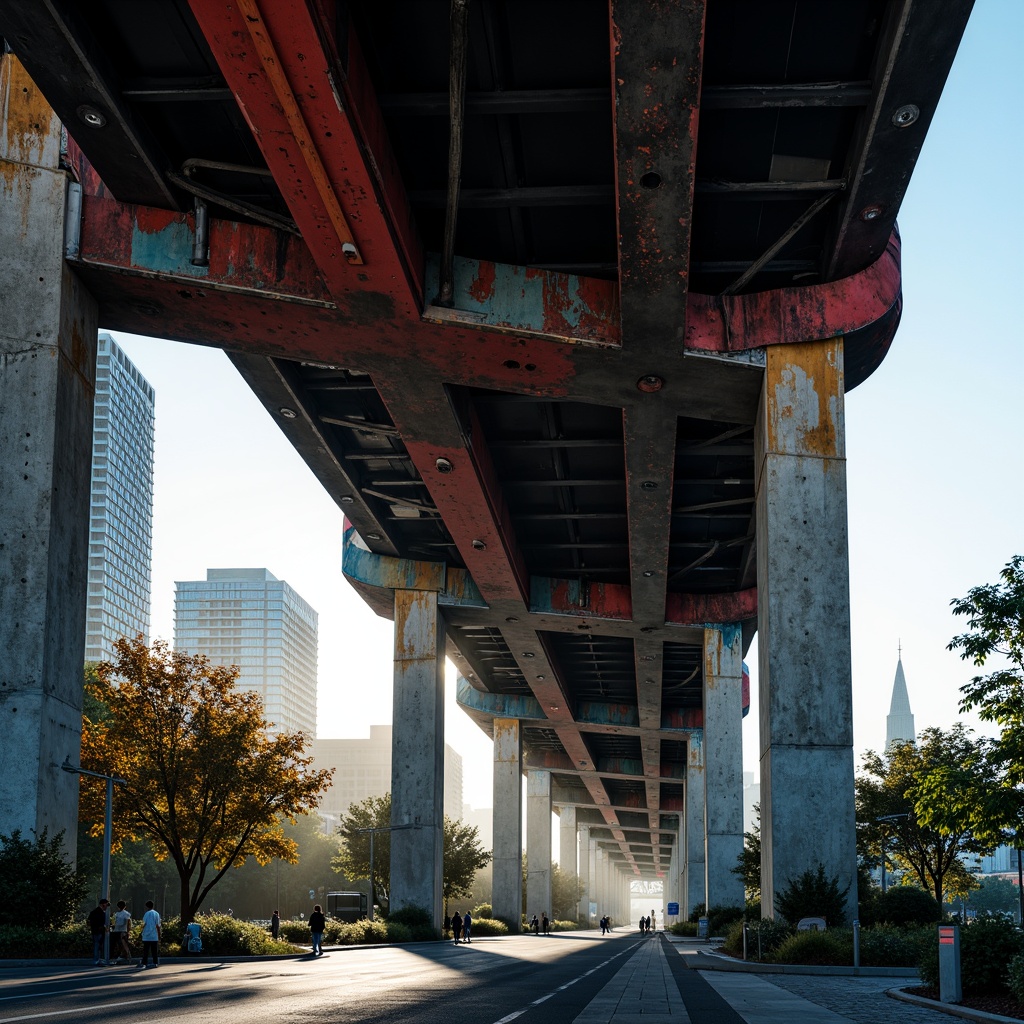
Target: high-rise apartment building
121 511
362 768
250 618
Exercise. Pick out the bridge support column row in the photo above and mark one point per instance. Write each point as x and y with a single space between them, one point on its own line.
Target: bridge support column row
47 381
507 862
538 843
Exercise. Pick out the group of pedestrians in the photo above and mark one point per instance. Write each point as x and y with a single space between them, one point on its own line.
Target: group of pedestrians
606 924
541 927
648 924
461 926
120 933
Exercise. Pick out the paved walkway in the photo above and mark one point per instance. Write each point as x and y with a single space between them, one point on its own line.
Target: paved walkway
660 984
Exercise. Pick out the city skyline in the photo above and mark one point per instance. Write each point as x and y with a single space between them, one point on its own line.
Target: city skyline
933 444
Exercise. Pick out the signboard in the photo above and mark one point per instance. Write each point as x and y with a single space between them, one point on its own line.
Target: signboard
702 927
673 910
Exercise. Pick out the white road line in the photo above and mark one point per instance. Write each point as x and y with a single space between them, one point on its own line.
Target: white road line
561 988
103 1006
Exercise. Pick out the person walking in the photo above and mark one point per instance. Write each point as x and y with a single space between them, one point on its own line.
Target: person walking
317 923
122 931
545 925
535 925
275 924
98 927
467 925
457 926
604 925
150 936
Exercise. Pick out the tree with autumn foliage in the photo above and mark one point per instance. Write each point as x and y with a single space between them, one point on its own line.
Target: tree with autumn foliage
205 784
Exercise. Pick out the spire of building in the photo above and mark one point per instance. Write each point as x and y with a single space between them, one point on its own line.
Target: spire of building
899 724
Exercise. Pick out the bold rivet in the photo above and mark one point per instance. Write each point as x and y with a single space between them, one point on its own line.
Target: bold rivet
444 465
650 382
906 115
288 414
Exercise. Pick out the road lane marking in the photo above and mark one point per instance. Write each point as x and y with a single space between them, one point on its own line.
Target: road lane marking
104 1006
561 988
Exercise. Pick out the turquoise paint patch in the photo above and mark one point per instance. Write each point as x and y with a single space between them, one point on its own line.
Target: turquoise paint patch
497 705
168 251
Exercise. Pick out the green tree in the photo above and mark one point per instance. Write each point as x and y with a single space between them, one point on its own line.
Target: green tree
206 785
991 794
463 854
353 859
40 887
463 858
892 808
748 864
812 894
994 895
566 893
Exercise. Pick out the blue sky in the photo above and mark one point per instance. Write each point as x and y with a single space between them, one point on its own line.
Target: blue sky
935 444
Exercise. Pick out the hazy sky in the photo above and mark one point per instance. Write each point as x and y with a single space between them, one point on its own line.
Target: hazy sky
934 445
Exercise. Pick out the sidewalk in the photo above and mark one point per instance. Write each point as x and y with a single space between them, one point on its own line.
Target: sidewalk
675 982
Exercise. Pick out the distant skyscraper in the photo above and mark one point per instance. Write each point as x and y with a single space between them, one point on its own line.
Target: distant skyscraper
362 768
899 724
121 512
250 618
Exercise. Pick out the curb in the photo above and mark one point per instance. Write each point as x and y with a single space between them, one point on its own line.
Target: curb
951 1008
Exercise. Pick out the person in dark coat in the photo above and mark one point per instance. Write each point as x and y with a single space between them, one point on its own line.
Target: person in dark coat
467 925
545 925
275 924
457 926
98 925
317 923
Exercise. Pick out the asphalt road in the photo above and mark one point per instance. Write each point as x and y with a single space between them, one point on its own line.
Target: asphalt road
527 978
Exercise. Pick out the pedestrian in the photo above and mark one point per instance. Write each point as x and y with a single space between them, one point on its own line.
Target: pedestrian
317 923
467 926
457 926
544 924
654 922
150 936
535 925
604 925
122 931
643 924
446 926
98 925
275 924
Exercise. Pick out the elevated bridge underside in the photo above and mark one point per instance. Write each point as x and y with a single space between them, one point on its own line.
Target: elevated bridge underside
560 404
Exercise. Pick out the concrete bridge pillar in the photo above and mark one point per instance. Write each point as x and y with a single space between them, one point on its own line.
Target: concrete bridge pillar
695 879
723 768
586 884
567 844
47 378
538 843
807 799
417 754
507 862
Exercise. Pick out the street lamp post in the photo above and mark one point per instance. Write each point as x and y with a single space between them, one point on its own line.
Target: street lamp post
108 826
888 817
371 832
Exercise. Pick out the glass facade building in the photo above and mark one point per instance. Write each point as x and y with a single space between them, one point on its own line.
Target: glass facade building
121 507
250 618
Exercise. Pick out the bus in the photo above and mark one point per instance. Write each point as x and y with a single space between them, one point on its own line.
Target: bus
346 906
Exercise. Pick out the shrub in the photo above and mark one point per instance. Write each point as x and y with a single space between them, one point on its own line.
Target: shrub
488 926
1015 977
987 947
483 910
698 912
888 946
399 933
721 918
417 920
226 936
770 932
557 926
19 942
683 928
901 905
832 949
298 931
812 894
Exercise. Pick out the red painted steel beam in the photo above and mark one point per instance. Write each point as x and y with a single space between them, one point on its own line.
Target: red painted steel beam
316 139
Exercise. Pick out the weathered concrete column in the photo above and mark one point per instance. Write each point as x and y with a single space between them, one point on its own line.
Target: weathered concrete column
695 880
583 912
507 862
807 800
723 764
538 843
417 754
47 378
567 844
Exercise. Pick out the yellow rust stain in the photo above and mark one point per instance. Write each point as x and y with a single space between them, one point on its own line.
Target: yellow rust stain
805 388
31 128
